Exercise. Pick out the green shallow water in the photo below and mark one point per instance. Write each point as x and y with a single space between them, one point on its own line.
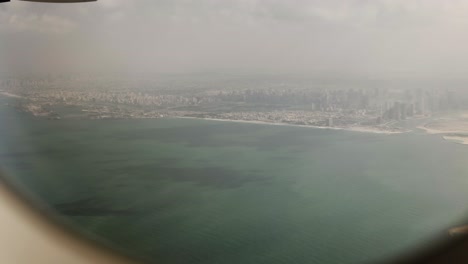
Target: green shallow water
194 191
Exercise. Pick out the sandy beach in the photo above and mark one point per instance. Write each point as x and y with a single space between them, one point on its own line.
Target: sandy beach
459 140
451 129
10 94
355 129
445 127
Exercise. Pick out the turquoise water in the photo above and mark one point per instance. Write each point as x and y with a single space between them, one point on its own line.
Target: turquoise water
194 191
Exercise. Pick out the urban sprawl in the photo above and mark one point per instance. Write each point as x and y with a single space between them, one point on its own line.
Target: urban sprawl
372 108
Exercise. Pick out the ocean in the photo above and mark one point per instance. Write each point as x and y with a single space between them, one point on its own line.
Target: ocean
200 191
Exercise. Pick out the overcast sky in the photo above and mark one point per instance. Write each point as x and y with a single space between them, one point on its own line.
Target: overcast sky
358 38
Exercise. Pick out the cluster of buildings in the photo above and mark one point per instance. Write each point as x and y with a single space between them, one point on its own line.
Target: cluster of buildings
423 103
100 97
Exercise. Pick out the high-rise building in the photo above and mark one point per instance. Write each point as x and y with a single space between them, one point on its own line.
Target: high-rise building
397 111
403 109
421 106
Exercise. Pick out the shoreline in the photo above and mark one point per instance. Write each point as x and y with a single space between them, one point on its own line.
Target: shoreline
352 129
455 139
435 131
448 135
7 94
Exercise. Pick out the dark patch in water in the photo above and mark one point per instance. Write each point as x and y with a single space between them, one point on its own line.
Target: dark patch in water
208 176
282 158
194 136
217 135
99 206
17 155
89 207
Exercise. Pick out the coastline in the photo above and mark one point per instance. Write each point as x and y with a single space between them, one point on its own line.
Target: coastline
7 94
435 131
352 129
448 134
455 139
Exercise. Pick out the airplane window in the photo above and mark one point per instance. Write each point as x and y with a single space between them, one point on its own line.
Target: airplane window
240 131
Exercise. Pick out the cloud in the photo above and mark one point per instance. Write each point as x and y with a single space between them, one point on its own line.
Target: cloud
38 23
350 37
114 4
22 17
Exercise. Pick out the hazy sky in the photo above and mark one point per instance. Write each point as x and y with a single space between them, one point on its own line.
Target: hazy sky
361 38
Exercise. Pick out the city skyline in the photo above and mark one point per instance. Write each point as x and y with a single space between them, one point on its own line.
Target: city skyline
372 108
